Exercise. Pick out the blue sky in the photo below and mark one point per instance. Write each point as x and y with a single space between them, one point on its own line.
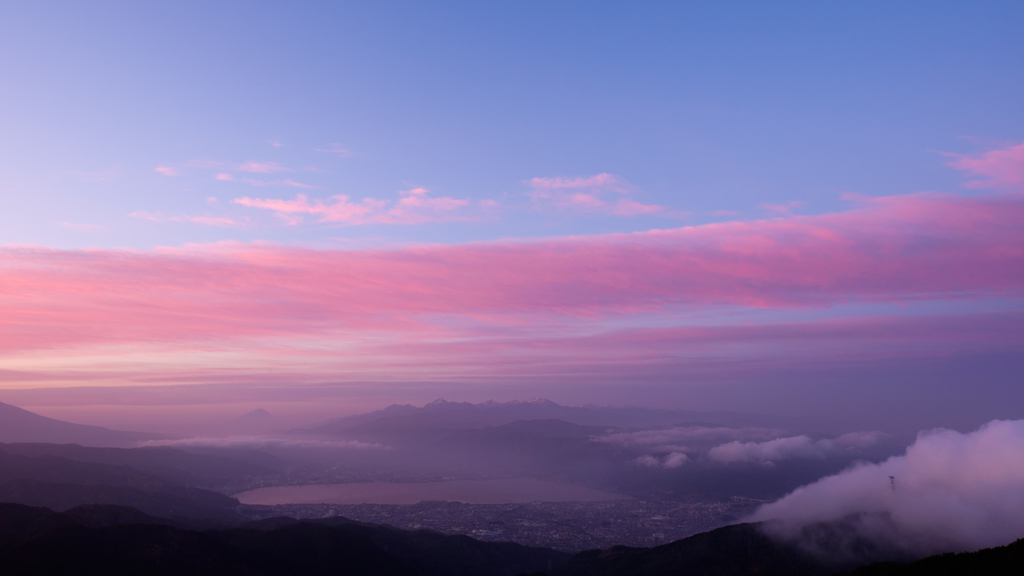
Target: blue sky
699 107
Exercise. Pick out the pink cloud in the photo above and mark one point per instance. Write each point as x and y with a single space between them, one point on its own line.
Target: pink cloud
341 210
627 207
585 200
414 206
166 170
604 181
417 206
224 177
213 221
588 195
891 249
1002 168
262 167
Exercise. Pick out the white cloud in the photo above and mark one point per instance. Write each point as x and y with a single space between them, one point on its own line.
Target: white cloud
949 492
648 461
792 447
673 460
772 450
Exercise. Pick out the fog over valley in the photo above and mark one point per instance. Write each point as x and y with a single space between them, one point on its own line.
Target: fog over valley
542 474
939 493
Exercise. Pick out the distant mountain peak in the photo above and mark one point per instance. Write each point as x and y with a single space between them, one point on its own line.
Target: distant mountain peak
490 404
530 402
258 414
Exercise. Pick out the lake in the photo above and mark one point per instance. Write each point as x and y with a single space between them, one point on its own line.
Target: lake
500 491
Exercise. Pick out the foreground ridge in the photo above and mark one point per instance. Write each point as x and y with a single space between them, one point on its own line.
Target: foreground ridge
120 540
101 539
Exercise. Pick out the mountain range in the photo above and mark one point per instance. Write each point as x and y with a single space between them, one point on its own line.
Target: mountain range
441 414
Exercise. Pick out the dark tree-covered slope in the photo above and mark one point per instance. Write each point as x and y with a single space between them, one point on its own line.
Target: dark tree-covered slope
1001 561
730 551
745 549
113 540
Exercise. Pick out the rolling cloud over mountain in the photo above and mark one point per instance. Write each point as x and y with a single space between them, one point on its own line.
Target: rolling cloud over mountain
949 492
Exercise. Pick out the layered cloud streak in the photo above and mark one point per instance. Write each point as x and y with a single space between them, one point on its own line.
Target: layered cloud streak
623 298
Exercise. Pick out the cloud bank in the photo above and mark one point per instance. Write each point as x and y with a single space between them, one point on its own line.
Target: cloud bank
792 447
949 492
686 435
672 447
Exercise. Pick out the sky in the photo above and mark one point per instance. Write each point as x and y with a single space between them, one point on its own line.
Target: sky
795 208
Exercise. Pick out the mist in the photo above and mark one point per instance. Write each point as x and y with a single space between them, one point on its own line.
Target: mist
950 491
803 446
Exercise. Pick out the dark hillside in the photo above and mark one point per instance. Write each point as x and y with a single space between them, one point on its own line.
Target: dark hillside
111 540
730 551
117 540
170 502
1001 561
744 549
60 483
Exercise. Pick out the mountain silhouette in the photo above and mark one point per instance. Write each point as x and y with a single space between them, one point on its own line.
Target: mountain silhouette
19 425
